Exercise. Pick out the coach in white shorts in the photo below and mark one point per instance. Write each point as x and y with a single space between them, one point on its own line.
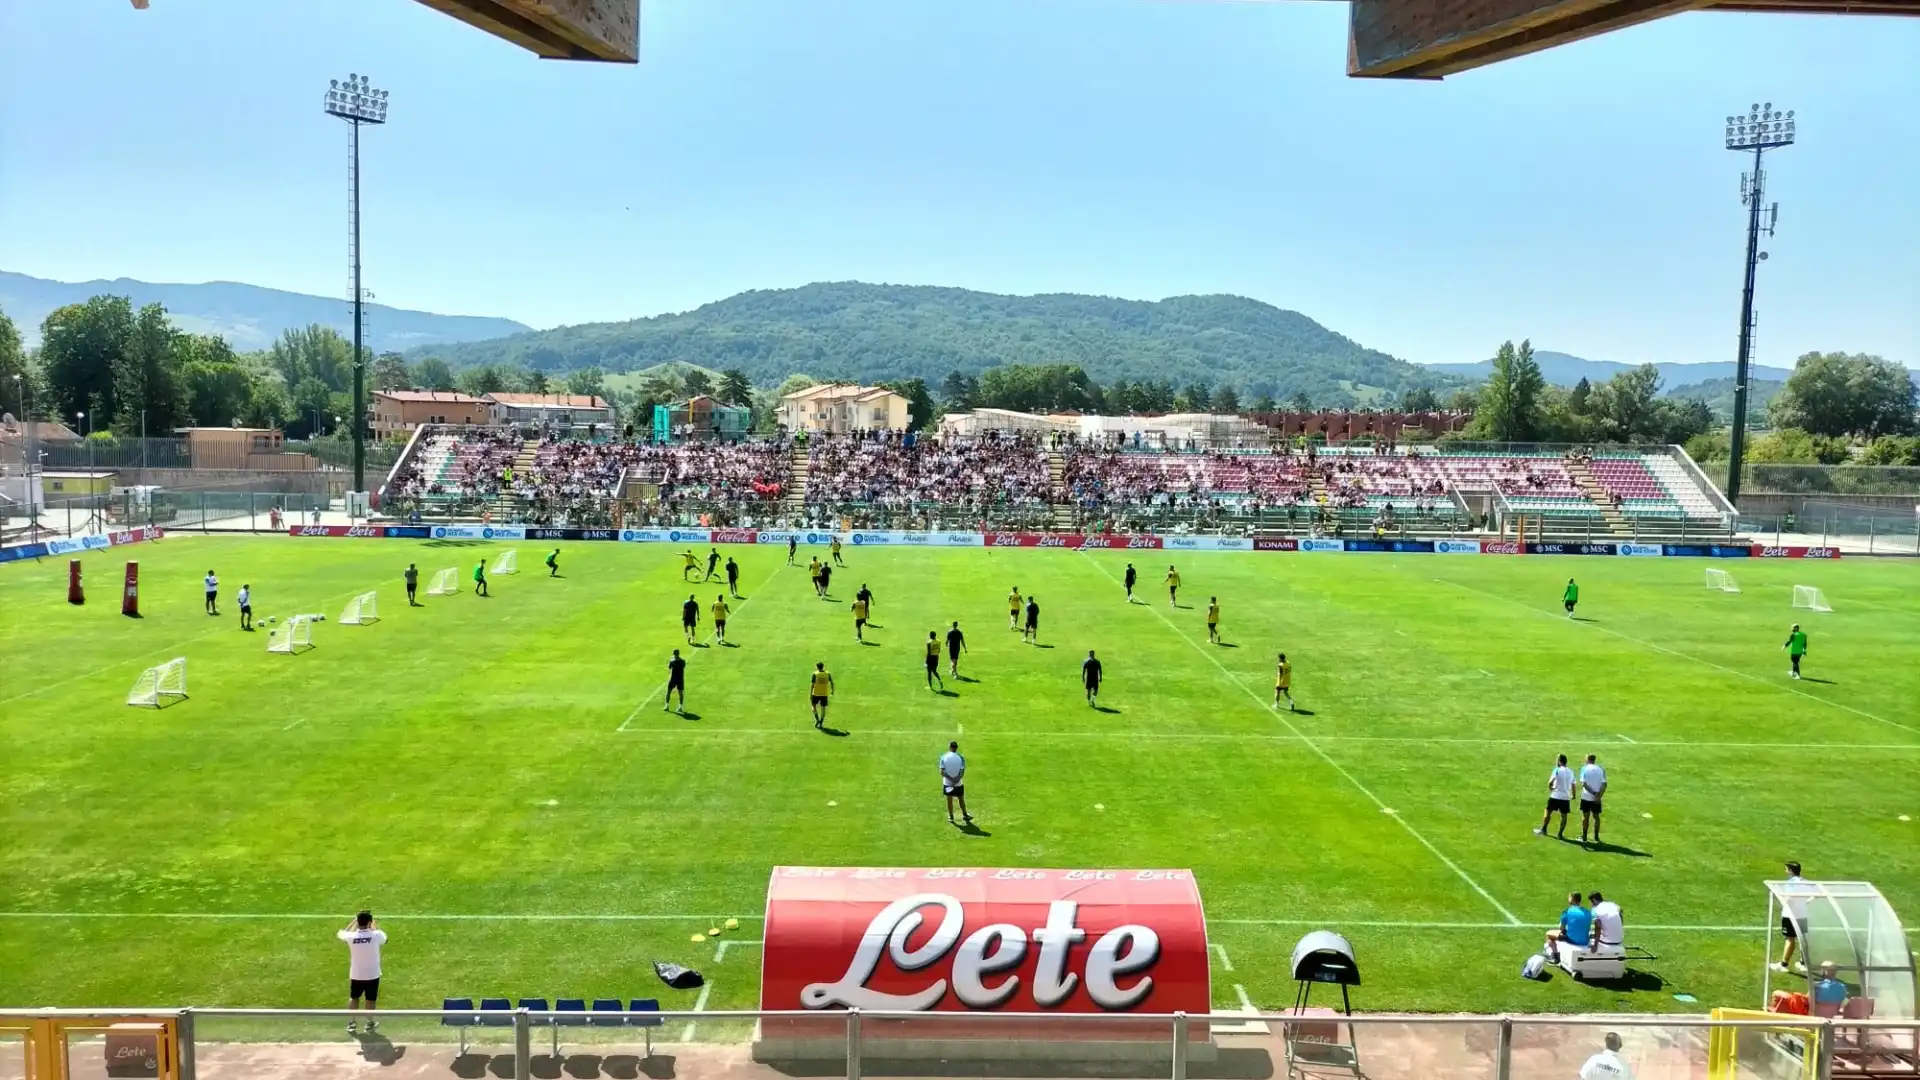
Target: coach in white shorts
363 938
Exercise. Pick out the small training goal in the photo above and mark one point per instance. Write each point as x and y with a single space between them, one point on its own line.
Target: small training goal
507 563
361 610
293 636
1721 581
444 582
1811 598
158 687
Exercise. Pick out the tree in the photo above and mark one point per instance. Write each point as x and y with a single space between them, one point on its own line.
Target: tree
20 379
793 384
1510 402
146 378
390 373
1841 395
957 391
1420 399
1195 398
432 373
80 347
220 387
535 382
1892 450
697 382
1226 401
1580 397
312 409
735 388
919 401
1464 400
1300 402
479 382
1624 404
1036 388
1265 404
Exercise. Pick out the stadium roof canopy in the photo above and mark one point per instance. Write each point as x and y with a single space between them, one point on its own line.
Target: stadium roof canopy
1397 39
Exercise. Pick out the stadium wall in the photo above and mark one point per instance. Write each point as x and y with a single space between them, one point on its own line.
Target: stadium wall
72 545
1064 541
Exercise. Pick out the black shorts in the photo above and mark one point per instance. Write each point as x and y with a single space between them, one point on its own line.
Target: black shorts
412 585
246 609
820 700
954 791
1093 687
1789 929
1033 624
689 623
1590 806
953 655
677 684
933 663
859 624
1570 604
211 593
1558 806
363 988
719 626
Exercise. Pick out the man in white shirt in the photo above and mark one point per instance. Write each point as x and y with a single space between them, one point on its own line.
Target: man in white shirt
1559 797
213 593
1609 929
953 775
245 596
1793 916
1607 1064
363 938
1593 784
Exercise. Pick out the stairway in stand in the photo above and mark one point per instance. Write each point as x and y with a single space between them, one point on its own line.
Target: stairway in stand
1597 495
1317 484
1063 519
528 456
796 502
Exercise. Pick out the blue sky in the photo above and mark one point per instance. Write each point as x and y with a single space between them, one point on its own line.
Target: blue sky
1137 148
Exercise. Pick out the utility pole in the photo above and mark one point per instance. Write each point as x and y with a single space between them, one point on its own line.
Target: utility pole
1764 128
357 103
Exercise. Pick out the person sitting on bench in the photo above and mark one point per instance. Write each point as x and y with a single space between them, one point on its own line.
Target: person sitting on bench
1829 994
1609 929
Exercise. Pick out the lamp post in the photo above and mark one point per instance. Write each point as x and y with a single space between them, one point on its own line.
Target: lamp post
1764 128
29 455
357 103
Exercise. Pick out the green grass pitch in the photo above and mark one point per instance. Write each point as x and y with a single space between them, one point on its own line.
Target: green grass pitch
496 778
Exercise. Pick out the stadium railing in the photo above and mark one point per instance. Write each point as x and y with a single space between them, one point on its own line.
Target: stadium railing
268 1044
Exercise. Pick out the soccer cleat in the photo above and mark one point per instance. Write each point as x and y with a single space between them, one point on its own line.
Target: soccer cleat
373 1026
352 1029
1540 832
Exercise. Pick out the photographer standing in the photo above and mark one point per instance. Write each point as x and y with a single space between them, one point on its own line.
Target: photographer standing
364 938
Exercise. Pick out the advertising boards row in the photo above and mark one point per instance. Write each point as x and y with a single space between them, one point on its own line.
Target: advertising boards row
72 545
1066 541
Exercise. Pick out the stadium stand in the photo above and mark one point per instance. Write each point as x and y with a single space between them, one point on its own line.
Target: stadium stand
875 478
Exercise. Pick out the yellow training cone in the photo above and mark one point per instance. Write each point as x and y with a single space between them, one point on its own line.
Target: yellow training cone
715 932
733 924
698 938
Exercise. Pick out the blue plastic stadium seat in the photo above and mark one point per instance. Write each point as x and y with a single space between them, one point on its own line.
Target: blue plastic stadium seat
648 1023
607 1005
496 1012
458 1013
567 1007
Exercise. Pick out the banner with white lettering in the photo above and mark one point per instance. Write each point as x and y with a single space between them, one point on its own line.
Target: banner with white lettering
983 941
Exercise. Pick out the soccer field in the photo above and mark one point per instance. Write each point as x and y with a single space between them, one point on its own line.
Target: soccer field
496 778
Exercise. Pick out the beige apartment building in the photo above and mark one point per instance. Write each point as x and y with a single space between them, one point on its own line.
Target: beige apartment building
835 408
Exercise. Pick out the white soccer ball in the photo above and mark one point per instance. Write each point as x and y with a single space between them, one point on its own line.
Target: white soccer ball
271 619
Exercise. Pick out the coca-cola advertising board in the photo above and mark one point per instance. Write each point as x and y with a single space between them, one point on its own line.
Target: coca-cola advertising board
983 941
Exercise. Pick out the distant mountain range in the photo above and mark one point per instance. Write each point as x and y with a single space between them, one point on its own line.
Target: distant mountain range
248 316
1561 369
872 333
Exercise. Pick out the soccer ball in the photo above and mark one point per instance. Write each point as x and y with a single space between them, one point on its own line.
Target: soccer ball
271 619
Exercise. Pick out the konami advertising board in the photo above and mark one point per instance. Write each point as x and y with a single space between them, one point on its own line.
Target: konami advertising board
981 941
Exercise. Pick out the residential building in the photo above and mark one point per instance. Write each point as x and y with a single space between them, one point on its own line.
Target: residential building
395 413
540 410
261 449
833 408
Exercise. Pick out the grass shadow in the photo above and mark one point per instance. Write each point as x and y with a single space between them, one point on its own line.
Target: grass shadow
944 692
864 641
1301 712
835 732
686 714
1226 645
1108 709
963 678
1634 981
971 829
1823 682
1615 849
1037 645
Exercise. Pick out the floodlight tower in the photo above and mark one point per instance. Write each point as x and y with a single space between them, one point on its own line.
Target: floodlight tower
357 103
1764 128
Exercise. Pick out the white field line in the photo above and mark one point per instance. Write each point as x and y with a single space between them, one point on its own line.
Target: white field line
1624 739
1221 951
648 700
1688 656
1246 1003
1265 736
699 1005
720 952
617 917
1324 756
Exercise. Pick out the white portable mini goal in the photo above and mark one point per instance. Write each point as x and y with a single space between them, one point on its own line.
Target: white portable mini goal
293 636
444 582
158 687
1721 581
507 563
361 610
1810 598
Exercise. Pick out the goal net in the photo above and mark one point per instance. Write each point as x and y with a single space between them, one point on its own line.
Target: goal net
507 563
443 582
1721 581
156 686
292 636
361 610
1806 596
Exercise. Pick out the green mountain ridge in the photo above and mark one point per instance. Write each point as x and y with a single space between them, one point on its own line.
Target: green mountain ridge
873 333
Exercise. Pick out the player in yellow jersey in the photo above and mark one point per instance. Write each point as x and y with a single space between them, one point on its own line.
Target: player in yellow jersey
1283 682
813 572
834 549
859 619
720 613
1173 587
691 565
933 662
820 688
1013 608
1213 619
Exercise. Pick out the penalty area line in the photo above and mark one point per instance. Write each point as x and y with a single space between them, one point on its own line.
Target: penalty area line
1336 766
648 700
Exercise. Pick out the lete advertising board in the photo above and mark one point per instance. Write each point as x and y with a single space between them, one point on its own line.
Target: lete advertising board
1763 551
982 941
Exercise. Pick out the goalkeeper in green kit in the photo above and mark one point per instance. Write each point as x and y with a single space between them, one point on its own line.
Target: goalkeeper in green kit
1796 647
1570 597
